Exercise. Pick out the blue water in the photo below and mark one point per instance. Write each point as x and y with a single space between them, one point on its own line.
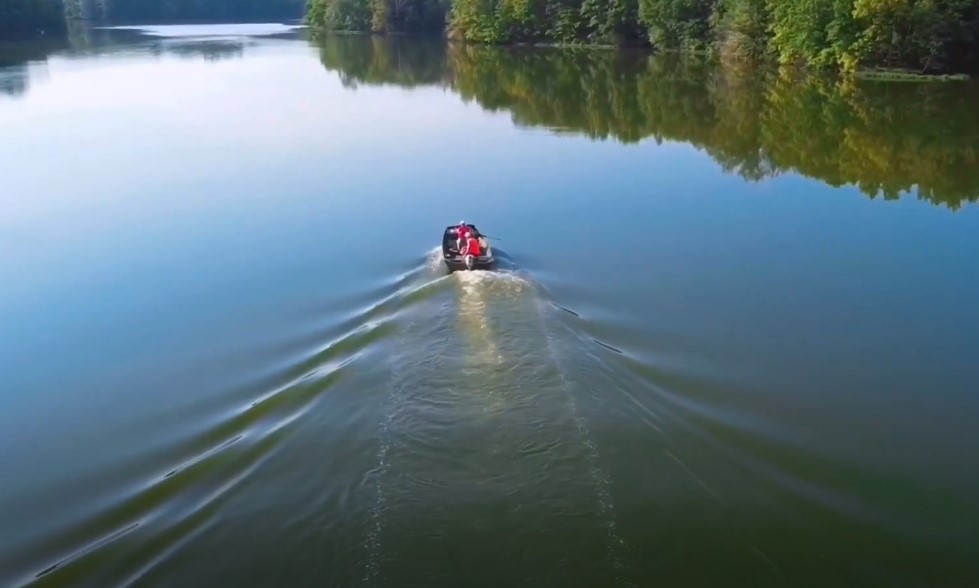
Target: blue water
229 354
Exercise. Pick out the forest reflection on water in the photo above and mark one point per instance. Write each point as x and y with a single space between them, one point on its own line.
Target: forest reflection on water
24 61
888 138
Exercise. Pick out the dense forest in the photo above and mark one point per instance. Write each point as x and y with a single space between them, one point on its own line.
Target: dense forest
33 17
30 17
887 139
145 11
922 35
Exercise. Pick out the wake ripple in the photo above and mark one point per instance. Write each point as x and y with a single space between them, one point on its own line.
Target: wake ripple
123 541
417 281
473 317
600 479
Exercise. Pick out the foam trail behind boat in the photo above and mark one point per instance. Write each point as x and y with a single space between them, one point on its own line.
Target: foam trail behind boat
506 298
473 316
481 441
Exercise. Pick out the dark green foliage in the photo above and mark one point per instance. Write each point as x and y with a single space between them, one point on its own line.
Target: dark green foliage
888 139
32 17
681 24
405 15
342 15
742 28
922 35
492 21
918 34
20 18
144 11
379 16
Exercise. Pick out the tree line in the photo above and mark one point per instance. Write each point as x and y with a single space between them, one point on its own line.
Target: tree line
33 17
922 35
30 17
886 139
143 11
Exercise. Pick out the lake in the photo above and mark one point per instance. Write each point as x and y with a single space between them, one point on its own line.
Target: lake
730 342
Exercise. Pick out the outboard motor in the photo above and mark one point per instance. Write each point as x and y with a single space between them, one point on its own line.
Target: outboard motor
469 262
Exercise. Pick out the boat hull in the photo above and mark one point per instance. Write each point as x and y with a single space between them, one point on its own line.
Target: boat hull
456 263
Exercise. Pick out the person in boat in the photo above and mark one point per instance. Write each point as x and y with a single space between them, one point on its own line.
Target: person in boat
463 232
471 250
472 246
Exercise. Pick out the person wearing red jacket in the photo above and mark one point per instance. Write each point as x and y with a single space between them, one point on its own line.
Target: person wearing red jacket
462 234
471 251
472 246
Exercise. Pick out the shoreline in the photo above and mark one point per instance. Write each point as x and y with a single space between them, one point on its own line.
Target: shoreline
877 74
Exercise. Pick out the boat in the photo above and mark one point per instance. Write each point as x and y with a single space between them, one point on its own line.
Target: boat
455 261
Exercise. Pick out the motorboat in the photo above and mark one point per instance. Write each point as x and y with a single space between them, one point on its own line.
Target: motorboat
455 260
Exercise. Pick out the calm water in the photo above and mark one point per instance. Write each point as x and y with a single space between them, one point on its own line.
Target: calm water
733 341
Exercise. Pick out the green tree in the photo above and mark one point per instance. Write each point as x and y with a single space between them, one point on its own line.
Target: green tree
928 35
915 33
680 24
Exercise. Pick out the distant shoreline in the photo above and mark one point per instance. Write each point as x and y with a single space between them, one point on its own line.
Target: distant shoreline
878 74
936 39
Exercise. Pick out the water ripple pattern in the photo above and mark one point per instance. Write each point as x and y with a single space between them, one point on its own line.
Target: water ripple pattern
482 444
118 539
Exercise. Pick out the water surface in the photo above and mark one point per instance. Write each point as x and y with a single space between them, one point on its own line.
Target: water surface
731 341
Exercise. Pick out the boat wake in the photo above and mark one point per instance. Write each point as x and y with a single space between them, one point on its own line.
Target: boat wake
430 271
600 479
482 439
476 291
462 430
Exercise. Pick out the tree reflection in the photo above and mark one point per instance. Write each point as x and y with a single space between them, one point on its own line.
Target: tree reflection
15 58
14 80
886 138
375 60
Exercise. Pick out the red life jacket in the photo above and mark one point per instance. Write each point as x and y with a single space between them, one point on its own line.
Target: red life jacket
464 231
473 247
